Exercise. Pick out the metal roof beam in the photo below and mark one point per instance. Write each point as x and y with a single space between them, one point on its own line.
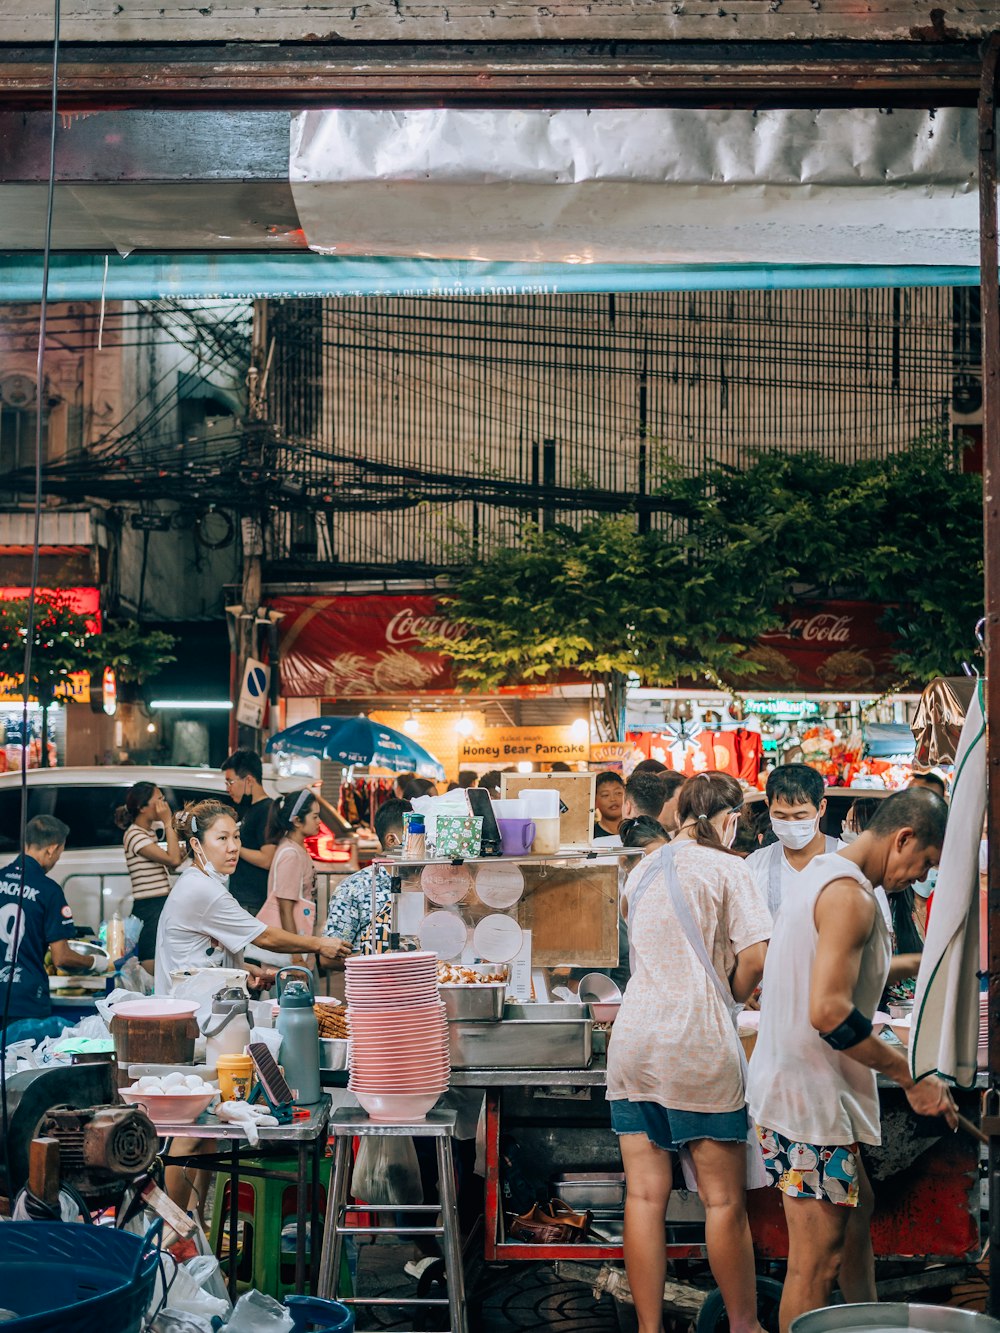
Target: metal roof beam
249 76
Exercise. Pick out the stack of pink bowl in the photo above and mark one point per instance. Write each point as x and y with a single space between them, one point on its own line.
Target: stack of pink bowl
984 1030
398 1053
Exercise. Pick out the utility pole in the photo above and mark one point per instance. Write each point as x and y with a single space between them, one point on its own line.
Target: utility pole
244 617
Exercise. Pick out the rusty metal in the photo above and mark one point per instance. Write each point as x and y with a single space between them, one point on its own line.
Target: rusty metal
101 1147
990 280
565 74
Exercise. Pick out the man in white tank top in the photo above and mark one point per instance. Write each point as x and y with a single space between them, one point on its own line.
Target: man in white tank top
812 1089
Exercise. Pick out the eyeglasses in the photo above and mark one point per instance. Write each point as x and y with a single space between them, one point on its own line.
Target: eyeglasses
232 782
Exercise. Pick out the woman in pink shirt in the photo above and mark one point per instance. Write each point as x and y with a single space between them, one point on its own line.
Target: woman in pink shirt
291 880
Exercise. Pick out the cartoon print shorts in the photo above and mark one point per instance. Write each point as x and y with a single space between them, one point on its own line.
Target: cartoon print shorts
811 1170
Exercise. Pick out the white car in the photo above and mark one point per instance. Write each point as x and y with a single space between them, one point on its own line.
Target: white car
92 868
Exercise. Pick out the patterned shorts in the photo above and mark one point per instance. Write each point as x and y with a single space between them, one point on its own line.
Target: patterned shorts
810 1170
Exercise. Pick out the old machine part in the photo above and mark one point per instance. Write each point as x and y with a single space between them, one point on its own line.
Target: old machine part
102 1145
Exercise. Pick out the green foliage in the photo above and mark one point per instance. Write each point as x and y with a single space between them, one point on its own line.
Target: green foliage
59 643
135 653
904 529
687 603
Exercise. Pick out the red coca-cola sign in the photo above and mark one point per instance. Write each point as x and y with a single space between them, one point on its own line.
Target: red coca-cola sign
825 646
353 647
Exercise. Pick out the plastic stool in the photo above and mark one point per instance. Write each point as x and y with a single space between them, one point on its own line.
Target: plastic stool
264 1205
351 1122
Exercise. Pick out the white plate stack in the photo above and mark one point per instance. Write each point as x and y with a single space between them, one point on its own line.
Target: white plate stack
984 1030
398 1053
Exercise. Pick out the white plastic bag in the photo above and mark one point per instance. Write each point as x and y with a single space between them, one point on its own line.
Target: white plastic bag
176 1321
257 1313
386 1171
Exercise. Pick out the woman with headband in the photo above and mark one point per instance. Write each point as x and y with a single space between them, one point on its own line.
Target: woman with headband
202 924
291 881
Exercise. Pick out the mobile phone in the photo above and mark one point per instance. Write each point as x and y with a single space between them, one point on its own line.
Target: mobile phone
481 804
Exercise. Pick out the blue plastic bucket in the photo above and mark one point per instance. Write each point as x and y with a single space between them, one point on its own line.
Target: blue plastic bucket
48 1269
315 1312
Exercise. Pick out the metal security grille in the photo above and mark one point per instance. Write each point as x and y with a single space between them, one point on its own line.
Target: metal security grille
450 419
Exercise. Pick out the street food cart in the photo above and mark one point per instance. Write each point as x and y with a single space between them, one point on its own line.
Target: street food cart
541 1065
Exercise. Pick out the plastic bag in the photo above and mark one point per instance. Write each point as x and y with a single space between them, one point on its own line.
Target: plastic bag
176 1321
206 1265
257 1313
185 1293
133 977
386 1171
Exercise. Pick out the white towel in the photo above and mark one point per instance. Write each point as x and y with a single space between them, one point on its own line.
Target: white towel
945 1031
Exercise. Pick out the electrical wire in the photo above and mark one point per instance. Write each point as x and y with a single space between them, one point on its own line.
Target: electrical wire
15 939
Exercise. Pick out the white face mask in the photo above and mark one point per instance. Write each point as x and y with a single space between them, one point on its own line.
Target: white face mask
847 836
795 833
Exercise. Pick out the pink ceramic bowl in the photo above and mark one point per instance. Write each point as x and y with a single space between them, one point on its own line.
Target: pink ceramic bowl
395 1109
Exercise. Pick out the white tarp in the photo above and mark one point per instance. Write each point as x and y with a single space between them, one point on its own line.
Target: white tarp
640 186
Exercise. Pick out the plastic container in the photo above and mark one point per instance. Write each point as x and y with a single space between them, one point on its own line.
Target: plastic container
153 1031
235 1074
542 806
315 1312
88 1279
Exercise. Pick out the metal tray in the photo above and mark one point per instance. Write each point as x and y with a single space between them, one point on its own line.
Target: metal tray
478 1004
538 1043
591 1189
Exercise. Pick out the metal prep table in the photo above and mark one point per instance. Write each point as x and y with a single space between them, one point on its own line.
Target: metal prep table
927 1190
308 1138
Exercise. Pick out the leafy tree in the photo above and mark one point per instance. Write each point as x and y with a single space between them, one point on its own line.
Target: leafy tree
59 648
904 529
607 602
689 603
134 652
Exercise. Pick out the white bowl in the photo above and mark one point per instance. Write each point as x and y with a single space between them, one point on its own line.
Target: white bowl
170 1108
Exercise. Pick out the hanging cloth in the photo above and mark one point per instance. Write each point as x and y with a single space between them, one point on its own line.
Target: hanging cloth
945 1027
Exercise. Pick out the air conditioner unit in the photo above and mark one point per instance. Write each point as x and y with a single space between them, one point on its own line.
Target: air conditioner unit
18 391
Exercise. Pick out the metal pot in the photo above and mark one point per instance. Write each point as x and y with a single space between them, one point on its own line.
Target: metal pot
918 1318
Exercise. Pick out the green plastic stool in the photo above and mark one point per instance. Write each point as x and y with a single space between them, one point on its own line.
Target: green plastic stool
273 1205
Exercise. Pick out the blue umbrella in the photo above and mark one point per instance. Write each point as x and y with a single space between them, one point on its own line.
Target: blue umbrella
357 740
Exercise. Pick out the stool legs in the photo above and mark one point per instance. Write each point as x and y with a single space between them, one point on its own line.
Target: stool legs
451 1240
336 1202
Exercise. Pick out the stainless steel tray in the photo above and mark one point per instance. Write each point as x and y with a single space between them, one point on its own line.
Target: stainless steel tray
536 1043
591 1189
477 1004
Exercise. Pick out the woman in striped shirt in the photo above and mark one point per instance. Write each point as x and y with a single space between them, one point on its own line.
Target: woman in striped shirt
149 864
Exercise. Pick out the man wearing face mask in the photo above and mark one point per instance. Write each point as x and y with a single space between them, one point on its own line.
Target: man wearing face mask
812 1088
796 804
248 884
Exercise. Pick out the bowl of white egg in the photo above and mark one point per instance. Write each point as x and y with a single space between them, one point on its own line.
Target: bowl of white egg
172 1099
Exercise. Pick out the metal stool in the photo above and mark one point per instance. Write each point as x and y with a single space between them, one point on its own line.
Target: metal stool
351 1122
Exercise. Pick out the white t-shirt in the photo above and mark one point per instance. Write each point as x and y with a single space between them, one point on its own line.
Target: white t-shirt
202 925
761 864
674 1039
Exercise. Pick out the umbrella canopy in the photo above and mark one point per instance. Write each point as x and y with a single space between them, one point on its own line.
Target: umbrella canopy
357 740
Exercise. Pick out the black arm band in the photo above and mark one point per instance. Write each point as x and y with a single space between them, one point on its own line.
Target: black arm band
854 1029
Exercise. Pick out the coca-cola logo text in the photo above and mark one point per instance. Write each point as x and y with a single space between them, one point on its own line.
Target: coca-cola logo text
407 625
820 628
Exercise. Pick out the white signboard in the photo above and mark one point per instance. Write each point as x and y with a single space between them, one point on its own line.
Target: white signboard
253 694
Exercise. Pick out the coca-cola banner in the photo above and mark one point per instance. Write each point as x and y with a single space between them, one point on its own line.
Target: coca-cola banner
826 647
346 647
353 647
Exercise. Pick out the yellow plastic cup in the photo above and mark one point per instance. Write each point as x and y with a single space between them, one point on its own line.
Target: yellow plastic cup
235 1077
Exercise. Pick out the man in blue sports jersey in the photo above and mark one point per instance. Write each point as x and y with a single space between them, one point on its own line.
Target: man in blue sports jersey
31 924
